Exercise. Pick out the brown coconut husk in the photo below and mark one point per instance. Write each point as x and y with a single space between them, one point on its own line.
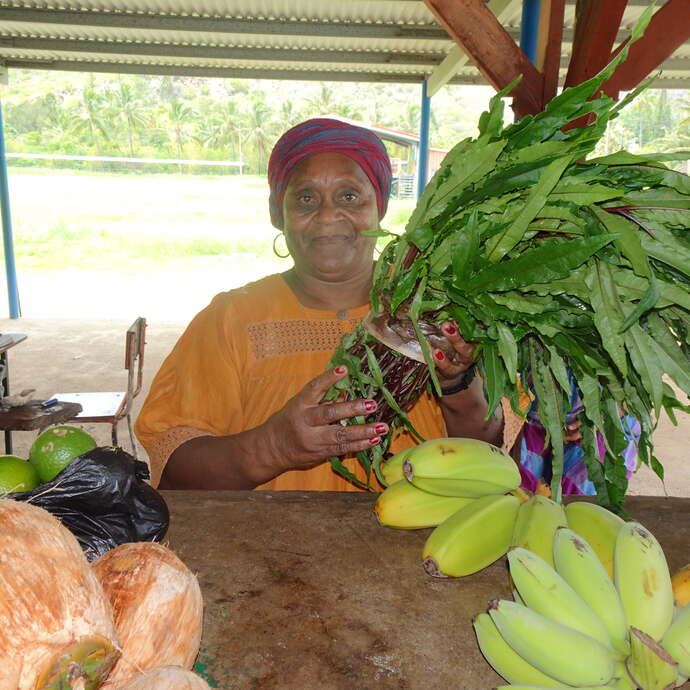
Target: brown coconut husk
157 607
165 678
56 624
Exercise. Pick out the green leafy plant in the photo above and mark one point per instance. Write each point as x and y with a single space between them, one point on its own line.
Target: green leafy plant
552 264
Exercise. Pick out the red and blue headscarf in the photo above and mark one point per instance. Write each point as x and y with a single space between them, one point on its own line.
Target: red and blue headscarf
324 135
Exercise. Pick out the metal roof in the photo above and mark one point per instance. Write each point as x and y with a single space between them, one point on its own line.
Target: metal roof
347 40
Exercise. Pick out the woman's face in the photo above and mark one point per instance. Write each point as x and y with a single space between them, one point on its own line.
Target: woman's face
328 202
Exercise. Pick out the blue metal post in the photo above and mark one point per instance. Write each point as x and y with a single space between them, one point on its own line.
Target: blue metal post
8 243
529 28
423 157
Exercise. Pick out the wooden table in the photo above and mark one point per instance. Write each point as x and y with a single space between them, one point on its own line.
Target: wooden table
307 590
7 341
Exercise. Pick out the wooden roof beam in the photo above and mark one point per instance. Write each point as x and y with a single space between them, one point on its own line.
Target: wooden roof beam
596 26
668 29
476 30
456 57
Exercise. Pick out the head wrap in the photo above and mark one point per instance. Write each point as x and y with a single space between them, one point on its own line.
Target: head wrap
324 135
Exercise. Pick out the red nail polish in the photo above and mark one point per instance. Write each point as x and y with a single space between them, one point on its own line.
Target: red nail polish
369 405
374 441
439 355
381 429
340 370
451 330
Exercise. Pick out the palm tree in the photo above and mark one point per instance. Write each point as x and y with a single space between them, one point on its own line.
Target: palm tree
92 116
180 116
132 110
259 131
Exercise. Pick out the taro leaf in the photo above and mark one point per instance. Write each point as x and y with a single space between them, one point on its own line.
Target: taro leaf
500 245
608 312
553 259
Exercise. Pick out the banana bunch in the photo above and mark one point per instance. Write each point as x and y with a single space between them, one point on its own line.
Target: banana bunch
466 489
572 624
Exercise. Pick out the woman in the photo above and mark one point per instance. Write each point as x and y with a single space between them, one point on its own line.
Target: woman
236 405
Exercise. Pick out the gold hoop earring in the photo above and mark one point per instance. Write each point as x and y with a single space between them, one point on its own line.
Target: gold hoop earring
275 251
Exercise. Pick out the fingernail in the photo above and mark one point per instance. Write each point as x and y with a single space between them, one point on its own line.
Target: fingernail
450 330
340 370
381 429
439 355
369 405
374 441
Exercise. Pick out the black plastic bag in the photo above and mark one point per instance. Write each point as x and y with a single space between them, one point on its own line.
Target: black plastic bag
102 498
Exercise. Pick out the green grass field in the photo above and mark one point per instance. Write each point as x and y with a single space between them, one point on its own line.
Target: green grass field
135 222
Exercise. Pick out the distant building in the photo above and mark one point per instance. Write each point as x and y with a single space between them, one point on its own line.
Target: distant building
403 149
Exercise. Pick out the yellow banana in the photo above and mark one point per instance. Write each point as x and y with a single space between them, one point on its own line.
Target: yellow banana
461 467
680 581
544 591
580 567
404 506
504 659
391 469
598 526
562 653
676 640
536 525
472 538
649 665
643 581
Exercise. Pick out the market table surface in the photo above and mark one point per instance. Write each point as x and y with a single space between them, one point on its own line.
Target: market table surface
306 590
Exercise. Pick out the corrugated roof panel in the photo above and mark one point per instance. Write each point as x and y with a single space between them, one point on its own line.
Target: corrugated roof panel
372 39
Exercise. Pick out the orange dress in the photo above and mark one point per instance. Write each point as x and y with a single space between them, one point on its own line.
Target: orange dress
238 362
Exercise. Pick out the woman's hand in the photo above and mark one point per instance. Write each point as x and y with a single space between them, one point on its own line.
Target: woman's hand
306 431
463 404
452 369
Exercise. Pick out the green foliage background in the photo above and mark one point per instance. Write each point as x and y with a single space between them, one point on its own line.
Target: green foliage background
233 119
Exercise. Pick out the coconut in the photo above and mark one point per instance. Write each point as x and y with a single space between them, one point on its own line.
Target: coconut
165 678
157 607
56 624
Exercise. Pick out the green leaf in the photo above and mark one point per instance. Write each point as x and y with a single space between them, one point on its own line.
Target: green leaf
465 249
499 246
507 349
551 260
495 381
643 355
583 194
608 312
405 285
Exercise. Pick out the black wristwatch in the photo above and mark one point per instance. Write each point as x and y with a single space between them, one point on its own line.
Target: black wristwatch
464 382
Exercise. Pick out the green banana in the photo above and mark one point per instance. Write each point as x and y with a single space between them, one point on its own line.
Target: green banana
536 525
391 469
649 665
621 678
544 591
461 467
598 526
404 506
676 640
577 563
472 538
562 653
643 580
546 687
504 659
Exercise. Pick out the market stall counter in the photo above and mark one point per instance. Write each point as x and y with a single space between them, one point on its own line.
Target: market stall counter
306 590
